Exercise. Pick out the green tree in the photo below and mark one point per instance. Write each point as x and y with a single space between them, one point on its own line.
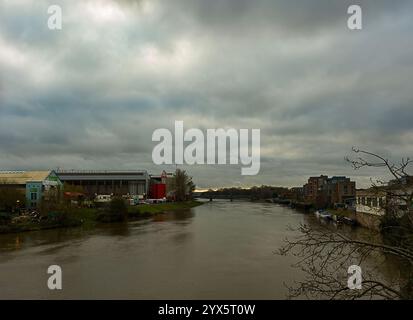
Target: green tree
11 198
184 186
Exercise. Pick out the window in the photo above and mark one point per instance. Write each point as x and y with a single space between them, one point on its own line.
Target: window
33 196
363 200
374 202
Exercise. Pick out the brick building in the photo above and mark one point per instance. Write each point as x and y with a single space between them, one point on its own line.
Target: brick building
323 191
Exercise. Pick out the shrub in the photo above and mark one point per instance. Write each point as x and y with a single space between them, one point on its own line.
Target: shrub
59 218
11 198
116 211
5 218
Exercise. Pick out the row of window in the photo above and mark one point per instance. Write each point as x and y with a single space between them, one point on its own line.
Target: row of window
101 182
371 201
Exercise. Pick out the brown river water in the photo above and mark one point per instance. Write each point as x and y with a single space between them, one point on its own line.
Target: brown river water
220 250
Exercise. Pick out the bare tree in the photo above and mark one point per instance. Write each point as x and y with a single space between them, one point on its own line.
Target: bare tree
324 255
399 191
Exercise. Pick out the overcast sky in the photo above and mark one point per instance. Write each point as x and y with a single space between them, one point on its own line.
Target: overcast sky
90 95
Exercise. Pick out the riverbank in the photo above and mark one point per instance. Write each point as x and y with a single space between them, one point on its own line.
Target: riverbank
214 251
364 220
369 221
89 217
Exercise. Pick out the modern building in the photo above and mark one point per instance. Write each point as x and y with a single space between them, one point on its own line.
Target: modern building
313 190
323 191
101 182
371 202
340 190
35 184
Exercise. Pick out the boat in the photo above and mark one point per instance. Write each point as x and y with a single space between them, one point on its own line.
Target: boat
337 218
326 215
349 221
318 212
322 213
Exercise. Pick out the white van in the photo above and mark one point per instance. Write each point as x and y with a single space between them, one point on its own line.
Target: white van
103 198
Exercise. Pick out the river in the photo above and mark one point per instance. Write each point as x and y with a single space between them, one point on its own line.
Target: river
220 250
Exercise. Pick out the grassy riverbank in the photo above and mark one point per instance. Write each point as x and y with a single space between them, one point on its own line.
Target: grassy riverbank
89 217
164 207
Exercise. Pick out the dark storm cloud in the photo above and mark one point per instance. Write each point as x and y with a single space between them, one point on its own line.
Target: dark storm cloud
90 95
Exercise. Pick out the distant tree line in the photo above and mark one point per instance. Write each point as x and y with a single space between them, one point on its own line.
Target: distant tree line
254 193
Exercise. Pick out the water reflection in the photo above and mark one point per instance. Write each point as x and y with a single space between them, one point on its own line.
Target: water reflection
221 250
182 216
20 241
120 229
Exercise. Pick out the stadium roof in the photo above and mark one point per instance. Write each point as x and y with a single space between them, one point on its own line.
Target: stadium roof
21 177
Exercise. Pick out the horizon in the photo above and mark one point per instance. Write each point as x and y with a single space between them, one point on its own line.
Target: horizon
215 188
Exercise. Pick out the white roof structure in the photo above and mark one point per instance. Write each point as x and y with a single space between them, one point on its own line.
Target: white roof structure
22 177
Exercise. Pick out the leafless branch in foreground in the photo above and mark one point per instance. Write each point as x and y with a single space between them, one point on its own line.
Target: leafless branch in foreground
325 255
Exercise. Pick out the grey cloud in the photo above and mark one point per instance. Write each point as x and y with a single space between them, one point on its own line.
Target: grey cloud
85 97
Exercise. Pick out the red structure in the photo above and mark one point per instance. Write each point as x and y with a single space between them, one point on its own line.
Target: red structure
73 195
158 191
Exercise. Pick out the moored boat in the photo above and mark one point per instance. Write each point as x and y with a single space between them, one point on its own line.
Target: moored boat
349 221
326 215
